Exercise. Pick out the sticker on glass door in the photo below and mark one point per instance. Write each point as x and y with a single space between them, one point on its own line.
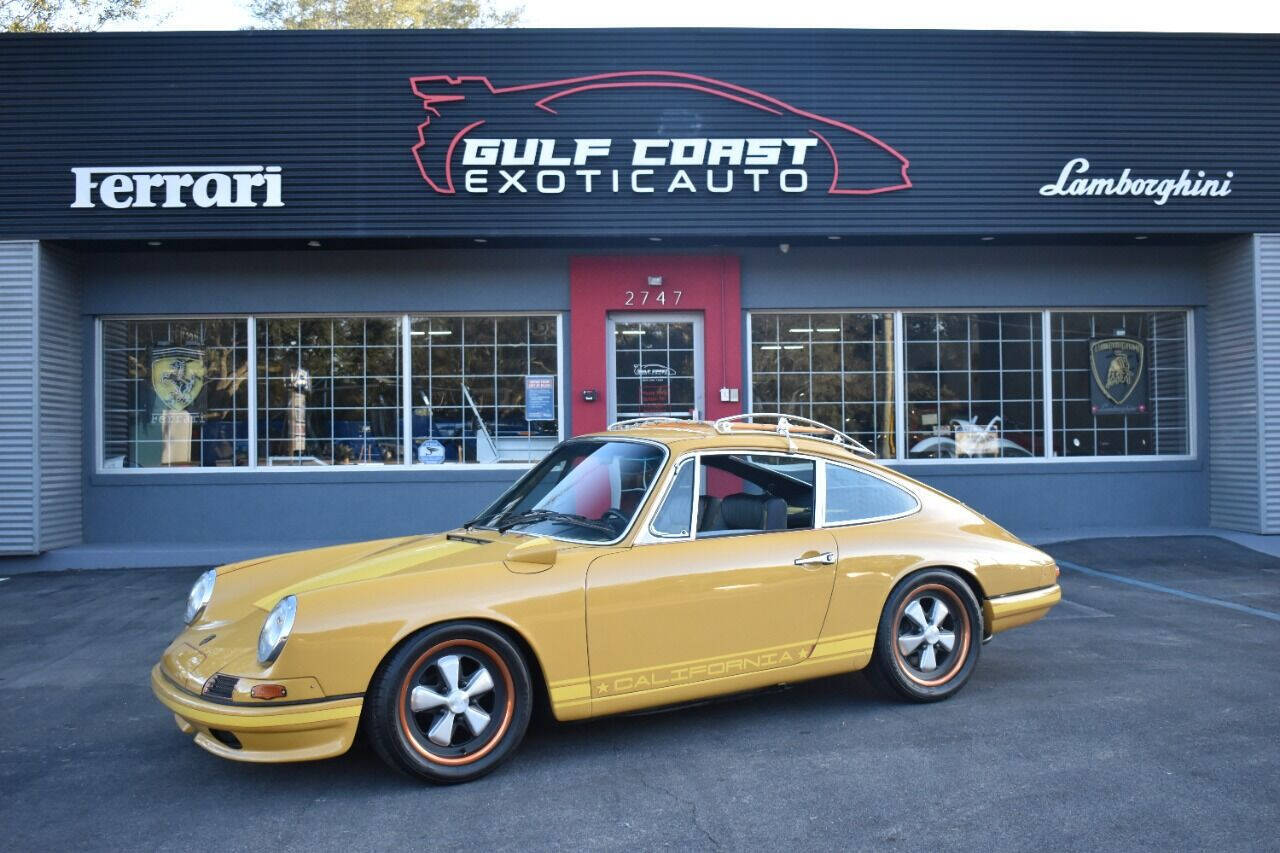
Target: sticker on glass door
655 366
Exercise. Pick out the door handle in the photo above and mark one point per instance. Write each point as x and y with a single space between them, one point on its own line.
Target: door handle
826 558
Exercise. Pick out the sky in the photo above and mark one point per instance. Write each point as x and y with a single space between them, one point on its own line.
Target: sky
1219 16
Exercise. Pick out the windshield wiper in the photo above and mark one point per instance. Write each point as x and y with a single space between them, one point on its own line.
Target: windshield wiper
551 515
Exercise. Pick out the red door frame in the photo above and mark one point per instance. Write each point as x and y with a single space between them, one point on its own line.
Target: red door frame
599 286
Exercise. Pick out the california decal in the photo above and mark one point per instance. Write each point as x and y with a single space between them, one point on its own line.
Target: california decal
1119 384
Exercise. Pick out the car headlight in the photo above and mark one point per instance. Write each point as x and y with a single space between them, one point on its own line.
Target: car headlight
201 592
275 631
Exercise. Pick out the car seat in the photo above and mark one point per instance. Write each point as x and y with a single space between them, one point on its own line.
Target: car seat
744 511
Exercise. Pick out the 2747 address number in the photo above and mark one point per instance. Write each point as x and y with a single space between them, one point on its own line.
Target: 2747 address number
644 297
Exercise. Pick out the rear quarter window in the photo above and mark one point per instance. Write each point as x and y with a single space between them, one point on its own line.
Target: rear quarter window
856 496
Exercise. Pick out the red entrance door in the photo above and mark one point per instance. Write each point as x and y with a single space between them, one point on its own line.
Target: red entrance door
605 287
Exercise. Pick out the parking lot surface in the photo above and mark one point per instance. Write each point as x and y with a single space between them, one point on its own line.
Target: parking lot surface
1130 718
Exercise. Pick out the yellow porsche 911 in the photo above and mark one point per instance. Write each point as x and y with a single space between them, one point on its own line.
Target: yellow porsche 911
657 563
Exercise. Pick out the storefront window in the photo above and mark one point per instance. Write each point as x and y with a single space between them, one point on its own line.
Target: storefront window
175 393
483 389
329 390
974 385
1119 383
834 368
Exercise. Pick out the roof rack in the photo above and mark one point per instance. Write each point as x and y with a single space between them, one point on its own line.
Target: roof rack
656 423
789 425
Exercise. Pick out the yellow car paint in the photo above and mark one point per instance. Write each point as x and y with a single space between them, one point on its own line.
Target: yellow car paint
607 628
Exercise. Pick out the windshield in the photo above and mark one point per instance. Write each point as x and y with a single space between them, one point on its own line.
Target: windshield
586 489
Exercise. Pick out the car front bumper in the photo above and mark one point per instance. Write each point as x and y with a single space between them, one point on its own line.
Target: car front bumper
300 731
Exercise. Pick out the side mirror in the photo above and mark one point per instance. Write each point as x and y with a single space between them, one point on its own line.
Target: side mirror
536 555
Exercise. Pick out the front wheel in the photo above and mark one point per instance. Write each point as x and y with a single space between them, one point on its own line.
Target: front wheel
451 704
929 637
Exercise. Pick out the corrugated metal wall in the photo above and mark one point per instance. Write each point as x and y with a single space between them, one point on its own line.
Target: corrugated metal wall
1268 277
61 400
41 399
1232 324
18 435
986 119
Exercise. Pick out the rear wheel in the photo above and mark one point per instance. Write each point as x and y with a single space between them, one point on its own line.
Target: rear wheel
451 704
929 637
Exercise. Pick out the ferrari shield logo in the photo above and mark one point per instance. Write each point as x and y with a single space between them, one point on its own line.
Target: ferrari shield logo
1119 376
177 376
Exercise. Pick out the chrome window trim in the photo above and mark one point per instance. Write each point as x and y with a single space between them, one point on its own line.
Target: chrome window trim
871 520
648 535
755 451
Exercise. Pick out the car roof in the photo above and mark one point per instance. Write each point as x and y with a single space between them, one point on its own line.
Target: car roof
767 432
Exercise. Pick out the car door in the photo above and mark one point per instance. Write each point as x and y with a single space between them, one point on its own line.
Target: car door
685 605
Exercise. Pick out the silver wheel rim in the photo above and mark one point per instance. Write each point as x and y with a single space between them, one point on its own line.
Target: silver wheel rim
927 634
453 701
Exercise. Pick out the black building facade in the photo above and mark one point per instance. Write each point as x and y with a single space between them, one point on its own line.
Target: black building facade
268 289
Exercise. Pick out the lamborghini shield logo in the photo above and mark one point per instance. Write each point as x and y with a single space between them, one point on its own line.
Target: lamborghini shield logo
177 375
1118 366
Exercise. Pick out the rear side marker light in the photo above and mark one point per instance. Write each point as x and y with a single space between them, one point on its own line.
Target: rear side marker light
268 691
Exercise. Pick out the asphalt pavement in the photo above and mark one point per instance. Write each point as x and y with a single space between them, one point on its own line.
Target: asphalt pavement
1131 718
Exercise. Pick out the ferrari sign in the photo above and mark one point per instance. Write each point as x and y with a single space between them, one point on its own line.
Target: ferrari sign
1119 373
177 377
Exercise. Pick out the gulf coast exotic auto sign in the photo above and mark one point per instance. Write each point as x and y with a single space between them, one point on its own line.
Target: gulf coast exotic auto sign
639 132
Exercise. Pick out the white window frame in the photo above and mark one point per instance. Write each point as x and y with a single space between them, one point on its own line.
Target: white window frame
405 466
899 381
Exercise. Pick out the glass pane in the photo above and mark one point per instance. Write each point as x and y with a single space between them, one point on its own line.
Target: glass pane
174 393
586 490
653 365
329 391
1120 382
677 510
856 496
481 391
833 367
974 386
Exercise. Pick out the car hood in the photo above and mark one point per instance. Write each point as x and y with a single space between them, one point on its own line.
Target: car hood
263 582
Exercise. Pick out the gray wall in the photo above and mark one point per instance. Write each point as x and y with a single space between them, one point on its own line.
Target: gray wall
61 400
1232 355
294 506
1268 266
42 393
17 397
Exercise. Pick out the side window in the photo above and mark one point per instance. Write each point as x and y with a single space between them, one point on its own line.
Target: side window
754 493
673 518
855 496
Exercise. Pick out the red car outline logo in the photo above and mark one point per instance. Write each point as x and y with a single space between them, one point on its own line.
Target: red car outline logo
631 80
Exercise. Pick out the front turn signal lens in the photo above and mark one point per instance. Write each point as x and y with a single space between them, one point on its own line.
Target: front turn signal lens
268 691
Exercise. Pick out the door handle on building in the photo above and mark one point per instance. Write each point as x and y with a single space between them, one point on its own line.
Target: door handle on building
826 558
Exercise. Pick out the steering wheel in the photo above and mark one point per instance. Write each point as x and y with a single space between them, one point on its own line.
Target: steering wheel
615 519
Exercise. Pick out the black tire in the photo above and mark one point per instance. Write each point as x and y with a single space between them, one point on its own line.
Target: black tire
407 726
920 668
